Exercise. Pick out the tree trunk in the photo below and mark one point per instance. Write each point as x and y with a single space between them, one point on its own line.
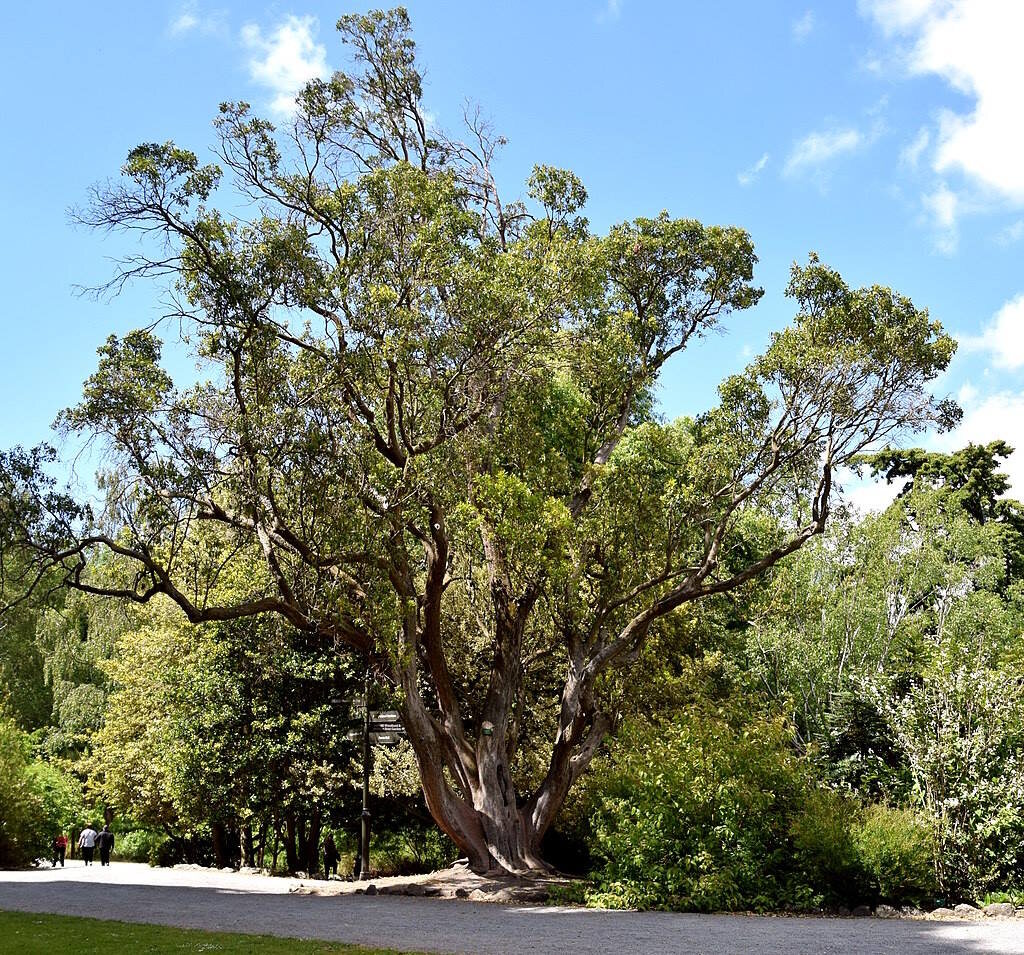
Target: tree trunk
291 853
245 846
489 827
220 848
277 845
309 842
475 801
467 783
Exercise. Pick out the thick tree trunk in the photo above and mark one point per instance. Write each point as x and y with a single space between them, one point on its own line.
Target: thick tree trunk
291 852
248 858
475 801
220 847
485 820
309 843
467 783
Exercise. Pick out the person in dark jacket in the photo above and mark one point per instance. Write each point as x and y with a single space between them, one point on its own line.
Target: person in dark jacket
105 843
331 857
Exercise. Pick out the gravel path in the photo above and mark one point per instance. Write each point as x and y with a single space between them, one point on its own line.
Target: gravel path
240 903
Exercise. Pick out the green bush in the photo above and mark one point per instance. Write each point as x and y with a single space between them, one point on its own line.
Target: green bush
407 851
824 848
140 845
36 801
712 814
896 850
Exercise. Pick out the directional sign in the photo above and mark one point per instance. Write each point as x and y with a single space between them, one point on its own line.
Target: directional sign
387 739
380 737
386 721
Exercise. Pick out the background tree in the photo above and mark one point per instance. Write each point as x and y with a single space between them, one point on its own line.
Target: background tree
228 736
37 801
894 642
429 417
25 693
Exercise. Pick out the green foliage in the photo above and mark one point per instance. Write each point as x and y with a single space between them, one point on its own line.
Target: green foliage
18 831
24 692
713 814
140 845
706 814
971 478
36 800
896 851
989 897
224 724
960 728
426 433
404 849
894 642
824 847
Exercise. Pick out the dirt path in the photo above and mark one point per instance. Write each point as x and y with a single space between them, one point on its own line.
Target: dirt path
251 903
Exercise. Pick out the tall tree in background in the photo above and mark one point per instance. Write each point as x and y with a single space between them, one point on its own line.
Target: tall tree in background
429 417
895 641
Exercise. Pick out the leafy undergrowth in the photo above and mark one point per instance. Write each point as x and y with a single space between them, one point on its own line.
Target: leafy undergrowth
29 933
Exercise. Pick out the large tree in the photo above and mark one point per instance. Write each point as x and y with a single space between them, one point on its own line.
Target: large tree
429 414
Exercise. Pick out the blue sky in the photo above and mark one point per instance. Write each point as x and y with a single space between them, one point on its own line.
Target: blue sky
884 134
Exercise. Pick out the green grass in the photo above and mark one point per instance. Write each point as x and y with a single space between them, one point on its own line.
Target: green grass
27 933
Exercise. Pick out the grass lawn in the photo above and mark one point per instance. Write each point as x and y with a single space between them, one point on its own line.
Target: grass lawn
27 933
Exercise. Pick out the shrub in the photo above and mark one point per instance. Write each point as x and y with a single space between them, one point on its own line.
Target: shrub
36 800
896 850
409 850
140 845
711 814
824 848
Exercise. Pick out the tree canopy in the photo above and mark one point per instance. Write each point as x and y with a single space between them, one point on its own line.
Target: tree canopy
427 429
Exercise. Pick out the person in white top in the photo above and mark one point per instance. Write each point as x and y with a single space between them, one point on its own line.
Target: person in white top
87 843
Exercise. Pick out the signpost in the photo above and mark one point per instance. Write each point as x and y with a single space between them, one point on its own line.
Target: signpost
384 728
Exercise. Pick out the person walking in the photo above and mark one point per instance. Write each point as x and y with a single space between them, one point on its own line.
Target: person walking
105 843
331 857
60 848
87 843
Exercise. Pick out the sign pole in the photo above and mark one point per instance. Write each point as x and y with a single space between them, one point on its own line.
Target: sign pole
364 828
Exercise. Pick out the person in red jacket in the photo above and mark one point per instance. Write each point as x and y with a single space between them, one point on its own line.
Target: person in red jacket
60 848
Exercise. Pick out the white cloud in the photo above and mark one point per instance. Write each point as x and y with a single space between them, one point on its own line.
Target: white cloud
1002 337
803 26
285 59
942 207
612 11
748 175
974 45
819 147
191 20
910 155
867 494
897 15
998 416
967 394
185 22
1014 232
